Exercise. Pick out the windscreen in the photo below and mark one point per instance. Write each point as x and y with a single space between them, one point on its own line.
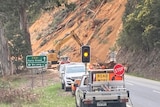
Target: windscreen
64 58
75 69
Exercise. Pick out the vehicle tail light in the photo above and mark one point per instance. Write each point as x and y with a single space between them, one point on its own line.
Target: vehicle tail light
123 100
62 62
88 101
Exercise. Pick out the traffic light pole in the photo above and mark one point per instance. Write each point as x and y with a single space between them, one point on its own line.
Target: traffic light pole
85 68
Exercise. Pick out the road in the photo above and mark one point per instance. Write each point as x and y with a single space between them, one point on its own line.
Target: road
143 92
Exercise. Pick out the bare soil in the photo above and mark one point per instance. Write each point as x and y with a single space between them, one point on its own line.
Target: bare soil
111 11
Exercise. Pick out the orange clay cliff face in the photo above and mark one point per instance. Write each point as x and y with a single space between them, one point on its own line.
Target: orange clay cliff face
101 26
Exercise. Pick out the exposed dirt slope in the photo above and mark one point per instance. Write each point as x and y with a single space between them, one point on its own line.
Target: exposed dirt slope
110 16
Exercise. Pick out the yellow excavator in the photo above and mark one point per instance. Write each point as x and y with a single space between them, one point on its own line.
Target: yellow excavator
67 37
54 55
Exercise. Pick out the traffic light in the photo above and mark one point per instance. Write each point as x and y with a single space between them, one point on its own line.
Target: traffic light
86 54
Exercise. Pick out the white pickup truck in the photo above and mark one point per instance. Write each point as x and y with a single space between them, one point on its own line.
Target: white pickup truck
101 88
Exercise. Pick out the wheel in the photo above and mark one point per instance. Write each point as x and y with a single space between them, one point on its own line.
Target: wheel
62 85
65 88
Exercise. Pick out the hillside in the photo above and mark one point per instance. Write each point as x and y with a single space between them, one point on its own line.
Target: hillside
107 16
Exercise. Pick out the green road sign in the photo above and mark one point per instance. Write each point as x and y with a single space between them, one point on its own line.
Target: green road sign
36 61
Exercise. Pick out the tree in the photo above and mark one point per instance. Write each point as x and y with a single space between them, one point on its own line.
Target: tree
141 26
19 15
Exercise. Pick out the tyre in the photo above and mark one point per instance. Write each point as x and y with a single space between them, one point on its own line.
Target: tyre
62 85
65 88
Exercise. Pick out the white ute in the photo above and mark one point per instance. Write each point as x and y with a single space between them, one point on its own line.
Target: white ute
70 72
101 88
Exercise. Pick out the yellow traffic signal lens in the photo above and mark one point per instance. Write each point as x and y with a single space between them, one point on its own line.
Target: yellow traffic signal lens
85 54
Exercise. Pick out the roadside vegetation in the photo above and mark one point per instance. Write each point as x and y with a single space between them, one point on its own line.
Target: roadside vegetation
141 25
140 38
17 16
13 94
54 96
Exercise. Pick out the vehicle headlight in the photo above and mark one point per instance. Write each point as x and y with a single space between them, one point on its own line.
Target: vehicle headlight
69 79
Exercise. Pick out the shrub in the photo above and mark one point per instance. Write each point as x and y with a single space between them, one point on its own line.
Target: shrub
39 36
43 42
93 4
109 30
97 22
71 6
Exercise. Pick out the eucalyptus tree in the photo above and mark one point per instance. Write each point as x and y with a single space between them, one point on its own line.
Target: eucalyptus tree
16 24
19 13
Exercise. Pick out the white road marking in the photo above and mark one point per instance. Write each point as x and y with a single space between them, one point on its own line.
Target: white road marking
129 83
155 91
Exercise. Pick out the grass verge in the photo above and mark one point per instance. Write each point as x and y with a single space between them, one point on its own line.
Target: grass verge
50 96
53 96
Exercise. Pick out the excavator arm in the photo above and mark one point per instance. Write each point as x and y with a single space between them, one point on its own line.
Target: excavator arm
61 42
66 38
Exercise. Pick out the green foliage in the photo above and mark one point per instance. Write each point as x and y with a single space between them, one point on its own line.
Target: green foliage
150 36
18 49
109 30
36 7
18 13
94 3
33 12
113 49
39 37
59 17
96 22
71 6
43 42
53 96
4 84
141 25
102 41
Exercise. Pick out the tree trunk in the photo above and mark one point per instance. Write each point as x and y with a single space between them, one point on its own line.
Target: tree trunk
24 24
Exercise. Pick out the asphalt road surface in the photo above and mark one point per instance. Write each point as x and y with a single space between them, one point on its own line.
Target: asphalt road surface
143 92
